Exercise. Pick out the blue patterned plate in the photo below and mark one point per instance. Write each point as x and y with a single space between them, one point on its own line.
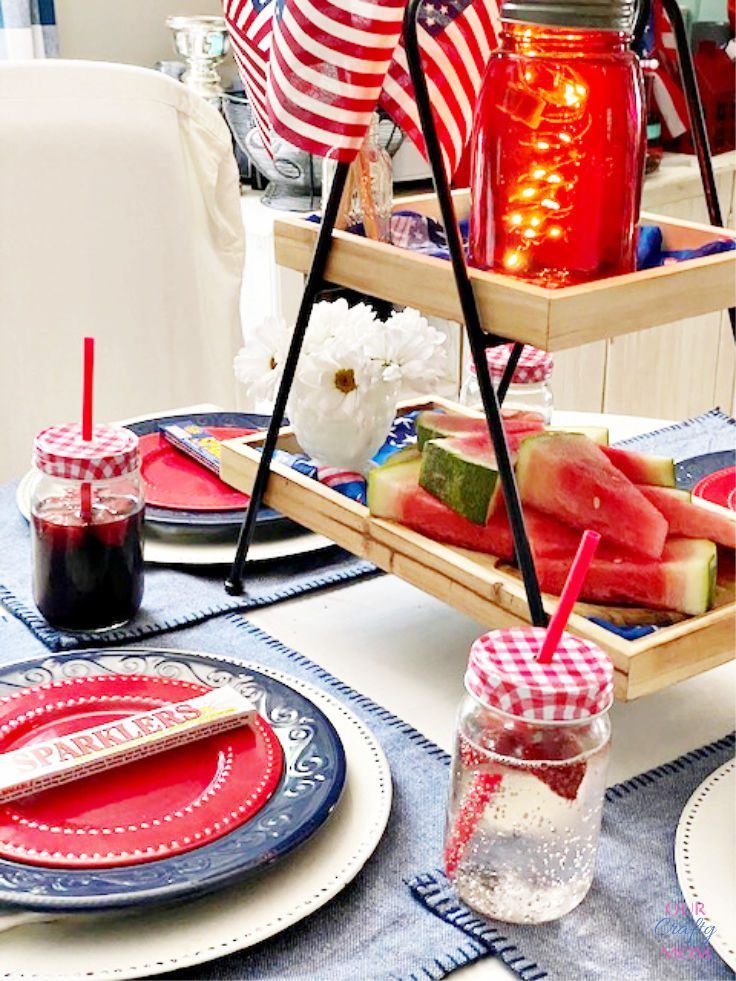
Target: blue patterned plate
205 520
314 775
689 472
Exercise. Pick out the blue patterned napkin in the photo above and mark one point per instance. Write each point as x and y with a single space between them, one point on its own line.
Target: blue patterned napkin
419 233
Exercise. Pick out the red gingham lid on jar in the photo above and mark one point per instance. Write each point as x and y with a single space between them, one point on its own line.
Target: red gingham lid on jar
503 673
60 451
534 366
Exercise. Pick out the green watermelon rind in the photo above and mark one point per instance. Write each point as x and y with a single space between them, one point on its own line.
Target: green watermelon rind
385 481
700 592
643 468
462 482
599 434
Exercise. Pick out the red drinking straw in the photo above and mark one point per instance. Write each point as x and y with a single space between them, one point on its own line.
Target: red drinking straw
570 592
87 387
87 393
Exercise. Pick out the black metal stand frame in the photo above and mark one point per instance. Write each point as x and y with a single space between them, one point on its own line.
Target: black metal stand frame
478 339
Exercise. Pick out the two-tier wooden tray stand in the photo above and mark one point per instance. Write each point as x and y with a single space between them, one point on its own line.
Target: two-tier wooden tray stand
494 310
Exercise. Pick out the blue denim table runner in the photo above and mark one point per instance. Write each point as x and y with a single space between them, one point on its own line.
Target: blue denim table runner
391 923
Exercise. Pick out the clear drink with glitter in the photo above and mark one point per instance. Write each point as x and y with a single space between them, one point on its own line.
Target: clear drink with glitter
526 796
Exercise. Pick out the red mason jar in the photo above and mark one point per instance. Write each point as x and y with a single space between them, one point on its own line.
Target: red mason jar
559 143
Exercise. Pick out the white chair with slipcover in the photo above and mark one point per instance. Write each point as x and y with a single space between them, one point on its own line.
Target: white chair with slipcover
119 217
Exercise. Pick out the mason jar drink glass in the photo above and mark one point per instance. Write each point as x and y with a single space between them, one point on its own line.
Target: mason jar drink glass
528 776
86 527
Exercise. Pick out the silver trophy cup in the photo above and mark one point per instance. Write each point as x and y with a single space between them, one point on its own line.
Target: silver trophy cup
203 42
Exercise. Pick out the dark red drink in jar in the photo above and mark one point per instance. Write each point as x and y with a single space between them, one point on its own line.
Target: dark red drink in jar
87 520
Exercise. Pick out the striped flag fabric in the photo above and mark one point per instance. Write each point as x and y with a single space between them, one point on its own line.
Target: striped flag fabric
314 70
328 61
456 38
667 90
250 25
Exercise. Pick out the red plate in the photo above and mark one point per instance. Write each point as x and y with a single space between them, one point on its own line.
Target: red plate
718 488
174 480
153 808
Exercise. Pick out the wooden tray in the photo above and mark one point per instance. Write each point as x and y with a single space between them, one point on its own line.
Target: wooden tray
549 319
481 586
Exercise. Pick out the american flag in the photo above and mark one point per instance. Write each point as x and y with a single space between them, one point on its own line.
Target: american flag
314 69
328 62
456 37
250 22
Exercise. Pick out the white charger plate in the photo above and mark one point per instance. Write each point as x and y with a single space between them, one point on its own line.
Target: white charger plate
705 857
160 939
180 548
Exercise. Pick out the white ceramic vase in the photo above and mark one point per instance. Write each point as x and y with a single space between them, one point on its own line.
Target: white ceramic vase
337 439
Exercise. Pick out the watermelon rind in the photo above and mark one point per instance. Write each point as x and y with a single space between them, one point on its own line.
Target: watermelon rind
699 567
404 455
462 476
642 468
599 434
388 481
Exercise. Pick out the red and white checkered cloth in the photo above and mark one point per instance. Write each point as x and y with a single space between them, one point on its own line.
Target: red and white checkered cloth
60 451
503 673
534 366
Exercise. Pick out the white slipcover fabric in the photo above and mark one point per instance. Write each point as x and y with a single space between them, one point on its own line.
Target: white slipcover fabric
119 217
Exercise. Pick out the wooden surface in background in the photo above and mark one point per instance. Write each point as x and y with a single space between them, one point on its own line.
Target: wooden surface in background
683 368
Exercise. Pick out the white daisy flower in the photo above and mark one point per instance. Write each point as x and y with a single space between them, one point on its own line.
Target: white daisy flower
259 363
408 348
335 377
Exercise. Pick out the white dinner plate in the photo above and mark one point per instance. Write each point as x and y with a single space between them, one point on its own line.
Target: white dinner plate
179 548
160 939
705 858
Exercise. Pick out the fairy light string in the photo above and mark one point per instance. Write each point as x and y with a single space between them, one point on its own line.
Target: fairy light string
551 101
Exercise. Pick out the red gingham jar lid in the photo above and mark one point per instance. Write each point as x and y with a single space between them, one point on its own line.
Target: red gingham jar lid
503 673
60 451
534 366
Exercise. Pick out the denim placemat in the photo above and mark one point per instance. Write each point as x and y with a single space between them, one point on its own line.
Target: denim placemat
630 925
373 929
710 432
173 597
376 929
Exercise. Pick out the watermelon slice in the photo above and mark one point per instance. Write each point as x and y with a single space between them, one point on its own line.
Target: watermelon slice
436 425
462 473
690 520
570 478
642 468
683 579
394 493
